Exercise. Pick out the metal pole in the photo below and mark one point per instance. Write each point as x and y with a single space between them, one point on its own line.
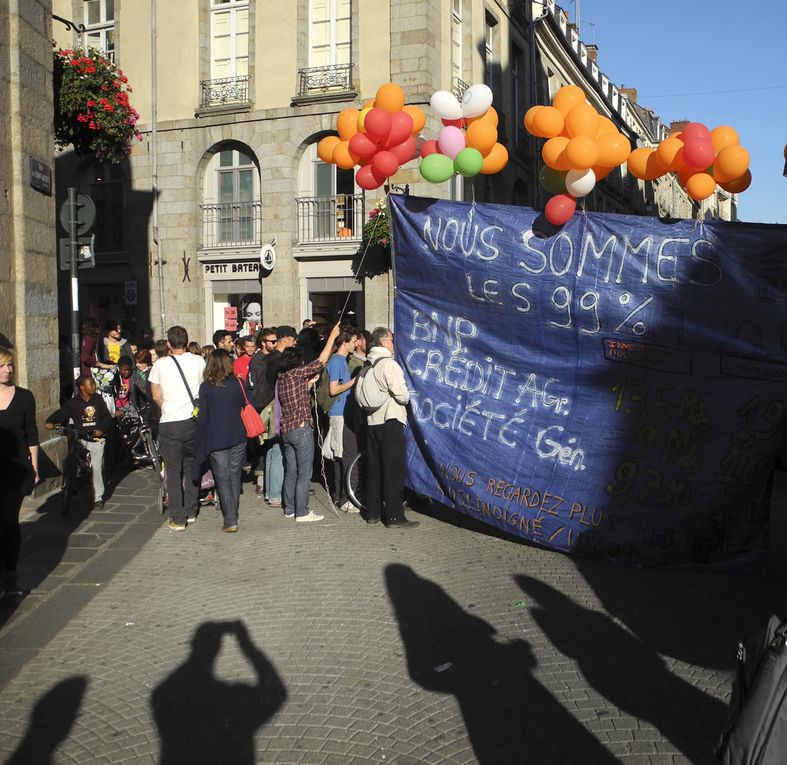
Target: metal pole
73 248
154 161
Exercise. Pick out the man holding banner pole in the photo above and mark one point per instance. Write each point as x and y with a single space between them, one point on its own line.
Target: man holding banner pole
385 436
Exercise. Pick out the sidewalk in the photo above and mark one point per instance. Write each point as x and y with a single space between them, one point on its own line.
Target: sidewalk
340 642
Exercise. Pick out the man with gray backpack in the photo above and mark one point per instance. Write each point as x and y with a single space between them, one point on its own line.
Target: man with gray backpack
382 395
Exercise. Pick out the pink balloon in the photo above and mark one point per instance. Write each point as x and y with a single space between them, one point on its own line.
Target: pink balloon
384 164
364 177
451 141
405 151
560 208
698 153
401 128
454 123
362 146
693 131
377 125
429 147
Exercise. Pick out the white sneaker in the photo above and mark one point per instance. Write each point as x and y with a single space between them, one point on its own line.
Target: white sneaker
349 507
310 517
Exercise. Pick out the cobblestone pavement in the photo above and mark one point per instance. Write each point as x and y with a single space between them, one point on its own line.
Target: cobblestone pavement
343 643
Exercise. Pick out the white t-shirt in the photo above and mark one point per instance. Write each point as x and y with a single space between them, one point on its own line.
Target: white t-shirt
177 404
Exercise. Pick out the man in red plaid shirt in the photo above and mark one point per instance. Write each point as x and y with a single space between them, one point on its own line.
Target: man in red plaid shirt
297 428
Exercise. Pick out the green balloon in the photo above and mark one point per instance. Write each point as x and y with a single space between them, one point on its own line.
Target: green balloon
554 181
468 162
436 168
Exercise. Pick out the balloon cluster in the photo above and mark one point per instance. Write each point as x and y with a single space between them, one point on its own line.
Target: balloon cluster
467 143
701 158
583 147
380 137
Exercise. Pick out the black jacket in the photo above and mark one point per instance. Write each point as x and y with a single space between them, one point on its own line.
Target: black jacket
87 416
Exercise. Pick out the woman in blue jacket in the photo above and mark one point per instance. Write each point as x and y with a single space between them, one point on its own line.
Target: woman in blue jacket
221 434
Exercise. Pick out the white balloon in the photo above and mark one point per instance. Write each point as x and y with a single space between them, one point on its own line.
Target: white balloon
445 105
476 100
580 182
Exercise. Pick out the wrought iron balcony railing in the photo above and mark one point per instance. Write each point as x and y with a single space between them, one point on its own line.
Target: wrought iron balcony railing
329 219
322 79
458 87
225 92
233 224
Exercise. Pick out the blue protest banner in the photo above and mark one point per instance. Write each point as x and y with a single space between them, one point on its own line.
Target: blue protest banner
615 387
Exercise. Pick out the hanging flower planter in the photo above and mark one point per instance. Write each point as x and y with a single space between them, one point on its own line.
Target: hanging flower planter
92 110
374 255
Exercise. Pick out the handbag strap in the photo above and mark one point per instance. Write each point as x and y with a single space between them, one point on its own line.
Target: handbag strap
193 402
243 390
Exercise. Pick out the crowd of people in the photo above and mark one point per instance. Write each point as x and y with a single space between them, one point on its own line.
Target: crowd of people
191 397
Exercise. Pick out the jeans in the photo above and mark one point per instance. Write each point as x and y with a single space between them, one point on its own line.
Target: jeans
177 442
96 451
298 457
227 465
385 471
274 469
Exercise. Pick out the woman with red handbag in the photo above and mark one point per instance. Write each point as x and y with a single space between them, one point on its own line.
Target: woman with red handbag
221 434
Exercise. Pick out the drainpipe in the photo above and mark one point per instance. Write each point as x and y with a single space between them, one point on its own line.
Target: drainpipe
534 97
154 162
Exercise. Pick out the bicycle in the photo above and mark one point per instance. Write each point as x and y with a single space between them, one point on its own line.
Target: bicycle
138 438
75 467
355 483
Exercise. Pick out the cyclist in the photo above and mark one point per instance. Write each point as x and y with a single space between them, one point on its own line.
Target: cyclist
91 419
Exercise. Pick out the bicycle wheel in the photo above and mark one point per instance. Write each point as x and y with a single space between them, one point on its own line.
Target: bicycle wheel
152 451
69 482
355 480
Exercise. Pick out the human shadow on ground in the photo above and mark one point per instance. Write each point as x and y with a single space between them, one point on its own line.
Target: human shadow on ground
50 722
627 671
203 719
510 717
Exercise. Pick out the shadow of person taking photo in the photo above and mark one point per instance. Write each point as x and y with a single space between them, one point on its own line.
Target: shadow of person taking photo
50 722
627 671
510 717
203 719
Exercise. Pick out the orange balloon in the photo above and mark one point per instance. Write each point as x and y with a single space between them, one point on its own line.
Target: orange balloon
644 164
530 116
723 136
731 162
490 115
389 98
326 147
418 116
342 156
481 135
601 172
700 186
684 173
581 152
738 185
368 104
567 98
553 153
605 125
362 116
347 123
669 153
496 160
582 120
613 149
547 122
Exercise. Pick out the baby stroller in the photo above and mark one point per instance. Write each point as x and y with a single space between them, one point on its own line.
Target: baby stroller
138 439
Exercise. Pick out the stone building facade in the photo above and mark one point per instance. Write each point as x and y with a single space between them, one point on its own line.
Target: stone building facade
244 92
28 264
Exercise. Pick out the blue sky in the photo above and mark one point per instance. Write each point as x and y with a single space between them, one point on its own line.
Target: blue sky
719 63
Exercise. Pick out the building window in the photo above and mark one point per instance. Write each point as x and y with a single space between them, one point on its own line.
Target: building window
517 100
99 21
105 187
491 53
329 32
456 43
229 24
235 194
